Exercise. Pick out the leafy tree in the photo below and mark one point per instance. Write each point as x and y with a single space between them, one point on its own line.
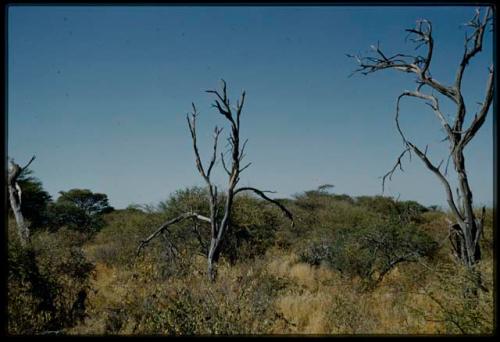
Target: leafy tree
91 203
79 209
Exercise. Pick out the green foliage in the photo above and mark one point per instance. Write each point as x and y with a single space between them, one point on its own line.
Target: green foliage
189 199
34 199
239 303
263 286
74 218
460 311
116 244
318 214
79 209
48 282
91 203
252 231
487 241
252 228
370 250
407 211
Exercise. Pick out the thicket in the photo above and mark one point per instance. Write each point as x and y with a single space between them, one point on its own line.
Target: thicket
273 278
48 282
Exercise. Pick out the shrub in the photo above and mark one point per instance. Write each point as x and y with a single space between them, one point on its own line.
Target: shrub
453 306
144 302
116 244
79 209
252 230
407 211
72 217
48 282
372 250
318 214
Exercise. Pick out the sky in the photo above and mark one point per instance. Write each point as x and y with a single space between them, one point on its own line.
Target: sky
100 95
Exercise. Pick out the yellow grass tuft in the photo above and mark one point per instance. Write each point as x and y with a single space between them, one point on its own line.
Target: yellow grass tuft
304 275
305 312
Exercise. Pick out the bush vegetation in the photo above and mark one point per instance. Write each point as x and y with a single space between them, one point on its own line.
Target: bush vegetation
349 265
48 282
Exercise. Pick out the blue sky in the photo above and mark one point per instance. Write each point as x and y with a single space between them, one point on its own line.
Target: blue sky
100 95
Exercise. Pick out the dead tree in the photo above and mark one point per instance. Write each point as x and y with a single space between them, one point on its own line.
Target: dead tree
15 194
465 233
219 226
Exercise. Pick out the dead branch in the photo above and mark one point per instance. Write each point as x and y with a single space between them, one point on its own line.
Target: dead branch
457 137
167 224
480 118
15 197
263 195
218 227
396 165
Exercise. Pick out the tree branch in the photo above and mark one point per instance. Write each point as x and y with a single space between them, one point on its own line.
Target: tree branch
480 226
192 129
477 38
398 164
263 195
469 53
480 118
239 107
167 224
26 166
224 165
444 181
214 156
244 167
224 108
418 65
434 104
423 157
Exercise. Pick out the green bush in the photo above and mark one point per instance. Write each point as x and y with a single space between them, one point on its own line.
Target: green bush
374 249
79 209
317 216
406 211
239 305
116 244
48 282
72 217
252 229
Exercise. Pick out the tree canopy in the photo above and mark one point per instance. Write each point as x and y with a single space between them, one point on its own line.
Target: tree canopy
80 209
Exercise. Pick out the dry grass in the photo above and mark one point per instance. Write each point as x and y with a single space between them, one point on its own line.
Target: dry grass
275 294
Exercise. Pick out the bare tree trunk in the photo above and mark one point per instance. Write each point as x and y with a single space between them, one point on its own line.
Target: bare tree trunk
466 231
213 258
471 227
218 228
22 227
15 200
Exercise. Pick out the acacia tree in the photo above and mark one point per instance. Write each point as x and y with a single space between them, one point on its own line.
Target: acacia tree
219 224
80 209
15 196
465 233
